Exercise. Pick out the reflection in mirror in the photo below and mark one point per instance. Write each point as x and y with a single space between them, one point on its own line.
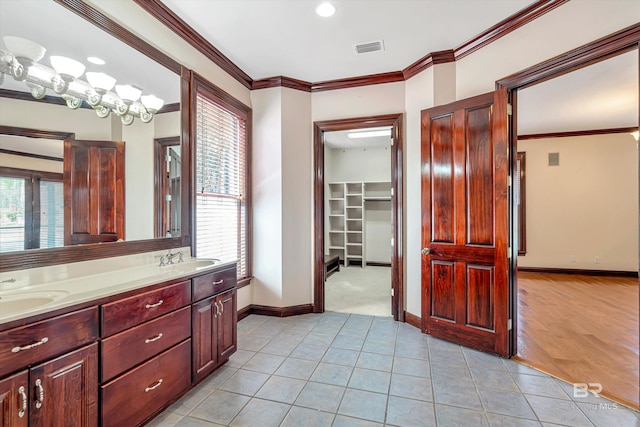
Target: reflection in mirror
19 109
168 203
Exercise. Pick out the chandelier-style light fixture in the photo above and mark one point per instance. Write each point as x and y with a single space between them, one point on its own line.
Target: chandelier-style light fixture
127 101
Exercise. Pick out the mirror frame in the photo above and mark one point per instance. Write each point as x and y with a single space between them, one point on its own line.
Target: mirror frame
33 258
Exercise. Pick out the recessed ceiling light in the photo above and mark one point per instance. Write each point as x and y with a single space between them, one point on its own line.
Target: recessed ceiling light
325 9
96 60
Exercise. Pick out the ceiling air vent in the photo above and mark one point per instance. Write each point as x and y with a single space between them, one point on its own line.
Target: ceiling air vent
376 46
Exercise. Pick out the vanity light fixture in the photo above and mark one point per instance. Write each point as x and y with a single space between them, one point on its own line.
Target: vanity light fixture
21 63
325 9
369 134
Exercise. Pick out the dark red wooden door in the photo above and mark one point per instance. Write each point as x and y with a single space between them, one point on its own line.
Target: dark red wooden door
93 191
464 222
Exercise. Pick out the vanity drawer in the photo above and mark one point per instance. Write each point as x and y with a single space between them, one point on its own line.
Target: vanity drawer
125 313
214 283
126 349
129 399
26 345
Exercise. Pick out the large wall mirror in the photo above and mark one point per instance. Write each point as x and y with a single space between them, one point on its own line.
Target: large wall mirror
80 163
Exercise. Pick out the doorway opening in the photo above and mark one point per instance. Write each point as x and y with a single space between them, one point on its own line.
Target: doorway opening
555 314
358 216
357 170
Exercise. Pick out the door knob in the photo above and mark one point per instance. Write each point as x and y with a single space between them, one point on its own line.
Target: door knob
426 251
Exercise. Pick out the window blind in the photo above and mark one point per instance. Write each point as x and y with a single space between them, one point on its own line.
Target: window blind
51 214
12 214
221 180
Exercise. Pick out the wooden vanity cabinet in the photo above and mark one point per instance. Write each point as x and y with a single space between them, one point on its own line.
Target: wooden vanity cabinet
214 321
55 384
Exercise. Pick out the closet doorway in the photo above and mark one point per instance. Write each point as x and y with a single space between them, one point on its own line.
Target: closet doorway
358 200
357 221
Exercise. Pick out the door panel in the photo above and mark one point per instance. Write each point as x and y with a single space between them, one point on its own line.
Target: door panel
464 230
93 191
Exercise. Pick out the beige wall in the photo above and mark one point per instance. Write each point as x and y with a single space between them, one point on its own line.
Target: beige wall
586 207
23 162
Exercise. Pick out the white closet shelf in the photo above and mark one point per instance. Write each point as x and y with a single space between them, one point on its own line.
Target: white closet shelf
354 231
369 198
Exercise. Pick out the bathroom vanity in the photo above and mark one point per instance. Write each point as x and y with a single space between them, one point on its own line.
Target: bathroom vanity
112 348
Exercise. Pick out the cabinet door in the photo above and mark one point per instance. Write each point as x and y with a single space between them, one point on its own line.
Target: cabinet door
227 325
204 331
64 391
14 393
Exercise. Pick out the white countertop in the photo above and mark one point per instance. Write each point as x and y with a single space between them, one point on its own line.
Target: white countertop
36 291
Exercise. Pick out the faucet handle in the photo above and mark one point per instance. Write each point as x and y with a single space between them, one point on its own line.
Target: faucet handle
161 260
180 256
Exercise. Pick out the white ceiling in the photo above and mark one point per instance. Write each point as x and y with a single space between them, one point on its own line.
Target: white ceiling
286 37
601 96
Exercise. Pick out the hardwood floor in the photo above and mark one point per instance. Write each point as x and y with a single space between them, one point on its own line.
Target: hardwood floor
582 329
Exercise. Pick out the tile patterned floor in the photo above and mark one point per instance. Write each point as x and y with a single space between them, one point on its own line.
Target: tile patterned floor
342 370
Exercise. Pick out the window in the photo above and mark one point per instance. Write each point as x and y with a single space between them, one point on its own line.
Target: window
222 214
31 210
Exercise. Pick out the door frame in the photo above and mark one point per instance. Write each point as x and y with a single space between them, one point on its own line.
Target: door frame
620 42
397 204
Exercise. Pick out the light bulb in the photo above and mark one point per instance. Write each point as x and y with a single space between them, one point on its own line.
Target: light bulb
101 82
152 103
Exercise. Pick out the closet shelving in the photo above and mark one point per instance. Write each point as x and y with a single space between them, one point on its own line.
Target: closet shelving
355 223
347 205
337 220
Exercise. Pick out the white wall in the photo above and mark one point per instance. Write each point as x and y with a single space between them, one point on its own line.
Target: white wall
297 198
358 102
358 164
266 171
23 162
420 95
584 208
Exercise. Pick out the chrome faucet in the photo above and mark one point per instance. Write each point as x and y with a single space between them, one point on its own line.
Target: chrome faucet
162 264
170 256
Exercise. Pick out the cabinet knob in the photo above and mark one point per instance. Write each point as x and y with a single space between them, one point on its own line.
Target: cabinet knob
426 251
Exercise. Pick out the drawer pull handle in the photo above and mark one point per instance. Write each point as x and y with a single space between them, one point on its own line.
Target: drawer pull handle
221 307
39 393
218 282
153 387
23 396
27 347
156 338
159 303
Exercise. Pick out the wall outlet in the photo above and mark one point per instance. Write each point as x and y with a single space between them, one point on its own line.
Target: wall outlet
596 259
572 258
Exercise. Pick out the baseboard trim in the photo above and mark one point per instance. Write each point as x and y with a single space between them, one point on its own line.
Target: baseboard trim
379 264
413 320
613 273
266 310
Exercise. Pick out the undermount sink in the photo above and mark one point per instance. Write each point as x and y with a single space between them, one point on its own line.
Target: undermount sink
193 264
17 301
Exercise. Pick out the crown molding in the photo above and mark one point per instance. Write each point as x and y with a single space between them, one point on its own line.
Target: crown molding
162 13
506 26
576 133
433 58
281 81
351 82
